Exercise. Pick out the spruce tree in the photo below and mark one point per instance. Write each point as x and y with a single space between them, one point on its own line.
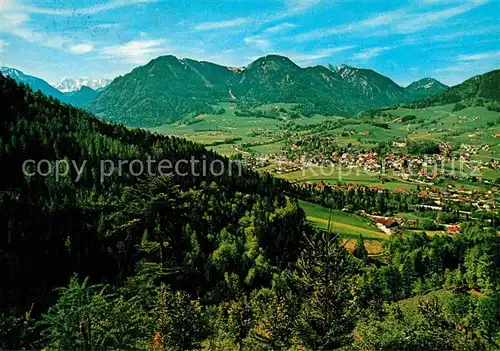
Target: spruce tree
360 249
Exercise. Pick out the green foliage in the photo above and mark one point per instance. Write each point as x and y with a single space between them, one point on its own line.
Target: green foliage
458 107
239 320
472 92
90 317
275 312
408 118
221 262
179 321
360 249
436 321
325 316
423 148
17 332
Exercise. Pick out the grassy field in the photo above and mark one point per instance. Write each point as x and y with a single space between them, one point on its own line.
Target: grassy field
208 129
226 132
265 132
472 125
346 224
270 148
335 174
428 232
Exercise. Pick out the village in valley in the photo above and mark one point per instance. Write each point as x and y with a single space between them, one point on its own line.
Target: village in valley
443 173
445 160
445 179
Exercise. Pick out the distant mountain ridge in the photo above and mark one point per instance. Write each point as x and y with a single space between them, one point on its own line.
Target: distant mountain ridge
168 89
79 97
384 91
34 83
476 90
67 85
82 96
424 88
374 87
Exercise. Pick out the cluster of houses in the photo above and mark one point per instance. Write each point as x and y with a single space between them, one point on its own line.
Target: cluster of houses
391 225
419 169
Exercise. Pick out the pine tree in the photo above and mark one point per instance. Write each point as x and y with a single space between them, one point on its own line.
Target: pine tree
275 312
88 317
326 312
360 249
179 320
239 320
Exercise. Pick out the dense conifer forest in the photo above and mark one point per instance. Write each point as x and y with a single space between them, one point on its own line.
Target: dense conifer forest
213 262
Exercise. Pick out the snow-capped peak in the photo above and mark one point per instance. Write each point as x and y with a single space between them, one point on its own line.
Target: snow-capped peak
13 73
70 84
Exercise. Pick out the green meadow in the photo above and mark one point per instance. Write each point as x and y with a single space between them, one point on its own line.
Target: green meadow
336 174
346 224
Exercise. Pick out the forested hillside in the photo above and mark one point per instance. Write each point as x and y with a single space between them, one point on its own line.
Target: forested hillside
376 88
424 88
169 89
480 90
185 262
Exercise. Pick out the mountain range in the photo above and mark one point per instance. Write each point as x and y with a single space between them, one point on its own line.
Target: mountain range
67 85
80 97
168 89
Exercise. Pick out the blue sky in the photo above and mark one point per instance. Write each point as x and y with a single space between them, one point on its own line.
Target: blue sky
405 40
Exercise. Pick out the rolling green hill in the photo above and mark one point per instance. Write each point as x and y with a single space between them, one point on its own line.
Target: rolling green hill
376 89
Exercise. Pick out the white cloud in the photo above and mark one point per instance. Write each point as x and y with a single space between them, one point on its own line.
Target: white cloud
465 33
280 27
468 65
479 56
370 53
381 19
81 48
451 69
15 22
107 25
137 51
314 56
221 24
3 44
293 8
419 21
110 5
400 21
298 6
15 18
259 42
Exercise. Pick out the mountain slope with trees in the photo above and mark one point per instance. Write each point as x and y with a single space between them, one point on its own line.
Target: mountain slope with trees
476 91
168 89
424 88
379 90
